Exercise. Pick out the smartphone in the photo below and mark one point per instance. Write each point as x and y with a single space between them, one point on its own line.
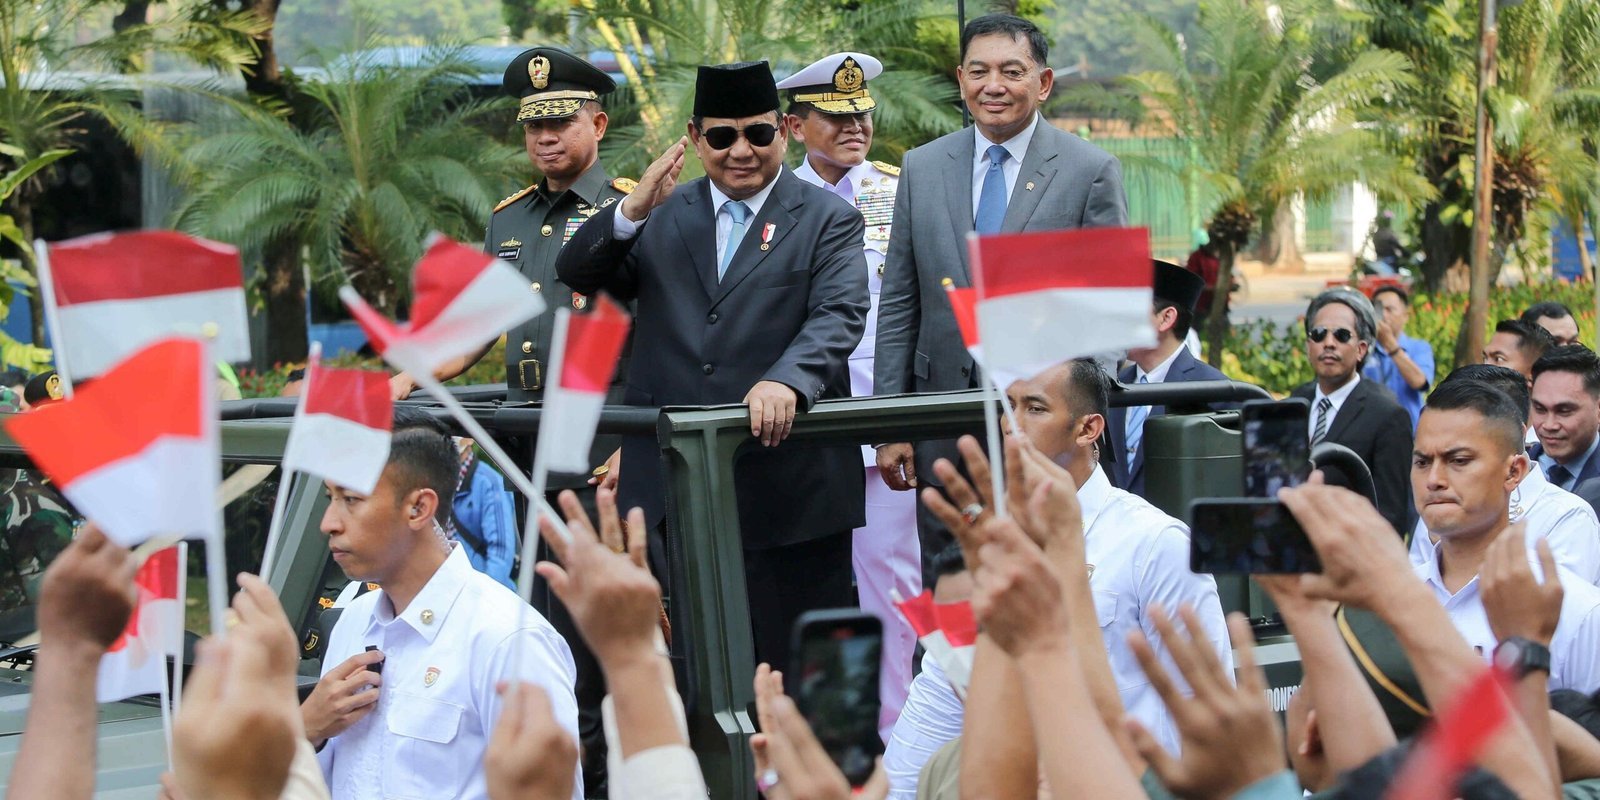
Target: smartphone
837 658
1277 445
1247 536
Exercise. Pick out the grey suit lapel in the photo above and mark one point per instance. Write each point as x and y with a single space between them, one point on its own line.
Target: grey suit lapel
696 226
777 212
1033 179
958 195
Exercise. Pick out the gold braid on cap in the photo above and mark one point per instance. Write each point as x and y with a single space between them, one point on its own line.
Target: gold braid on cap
563 103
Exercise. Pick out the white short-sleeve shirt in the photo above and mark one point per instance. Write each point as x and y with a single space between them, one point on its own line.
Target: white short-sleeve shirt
443 657
1573 660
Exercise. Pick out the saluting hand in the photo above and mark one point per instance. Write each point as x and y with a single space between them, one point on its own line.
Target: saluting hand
657 183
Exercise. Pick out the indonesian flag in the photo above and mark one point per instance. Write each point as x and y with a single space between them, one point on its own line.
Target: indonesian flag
1458 735
135 664
460 299
117 292
137 450
572 404
947 631
342 427
1045 298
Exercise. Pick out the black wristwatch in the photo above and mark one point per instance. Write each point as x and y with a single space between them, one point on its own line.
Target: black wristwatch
1521 656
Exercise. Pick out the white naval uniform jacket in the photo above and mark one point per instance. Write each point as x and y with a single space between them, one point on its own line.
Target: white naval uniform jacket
443 657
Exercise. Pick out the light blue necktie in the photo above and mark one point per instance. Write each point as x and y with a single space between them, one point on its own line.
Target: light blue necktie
739 212
992 200
1136 418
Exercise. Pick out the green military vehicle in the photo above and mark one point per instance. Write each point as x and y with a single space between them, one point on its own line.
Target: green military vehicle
713 651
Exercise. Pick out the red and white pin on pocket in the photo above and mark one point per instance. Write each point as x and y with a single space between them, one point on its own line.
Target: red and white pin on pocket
766 236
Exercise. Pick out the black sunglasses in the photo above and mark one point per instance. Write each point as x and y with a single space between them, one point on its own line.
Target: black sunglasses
722 137
1342 335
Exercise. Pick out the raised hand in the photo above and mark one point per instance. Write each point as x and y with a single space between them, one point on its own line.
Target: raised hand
657 183
1517 603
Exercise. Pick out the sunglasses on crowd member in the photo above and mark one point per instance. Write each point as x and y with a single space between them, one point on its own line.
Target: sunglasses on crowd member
722 137
1341 335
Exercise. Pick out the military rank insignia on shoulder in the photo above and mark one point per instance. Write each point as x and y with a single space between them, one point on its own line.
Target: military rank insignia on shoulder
515 197
624 185
887 168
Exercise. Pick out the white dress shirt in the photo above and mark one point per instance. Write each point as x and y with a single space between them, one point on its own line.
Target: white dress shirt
623 228
1017 146
1138 556
443 656
1550 513
1338 397
1573 660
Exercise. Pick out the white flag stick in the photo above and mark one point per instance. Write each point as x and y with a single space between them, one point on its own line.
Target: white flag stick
183 605
166 701
541 465
991 419
47 287
286 477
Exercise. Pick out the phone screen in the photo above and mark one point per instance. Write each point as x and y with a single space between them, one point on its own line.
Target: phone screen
835 684
1248 536
1277 445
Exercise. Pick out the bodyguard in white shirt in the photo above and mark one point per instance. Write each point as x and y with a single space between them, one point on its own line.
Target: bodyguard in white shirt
1547 511
408 698
1467 459
1138 556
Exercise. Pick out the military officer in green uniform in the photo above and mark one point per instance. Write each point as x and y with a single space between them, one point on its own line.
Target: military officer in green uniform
562 124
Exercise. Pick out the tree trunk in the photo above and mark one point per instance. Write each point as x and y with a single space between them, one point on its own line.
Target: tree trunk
1443 246
1217 322
1585 261
287 337
1287 255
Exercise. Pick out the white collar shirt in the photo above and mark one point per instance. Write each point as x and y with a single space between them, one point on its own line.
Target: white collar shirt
443 656
1549 512
725 221
1017 146
1159 374
1137 556
1338 397
1573 664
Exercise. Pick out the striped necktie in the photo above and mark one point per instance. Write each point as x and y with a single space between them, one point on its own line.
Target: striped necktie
1323 407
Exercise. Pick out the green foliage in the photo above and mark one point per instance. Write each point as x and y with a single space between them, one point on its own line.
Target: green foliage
306 28
1098 33
377 159
1274 356
270 382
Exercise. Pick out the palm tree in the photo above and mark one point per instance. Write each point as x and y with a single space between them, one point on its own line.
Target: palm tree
1260 128
379 157
38 115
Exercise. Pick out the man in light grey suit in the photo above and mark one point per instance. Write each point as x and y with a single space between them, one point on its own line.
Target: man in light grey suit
1010 172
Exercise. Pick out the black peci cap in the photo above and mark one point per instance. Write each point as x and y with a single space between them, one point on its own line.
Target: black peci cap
1175 284
732 91
553 83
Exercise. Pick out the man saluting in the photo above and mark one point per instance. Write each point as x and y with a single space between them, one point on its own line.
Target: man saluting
751 288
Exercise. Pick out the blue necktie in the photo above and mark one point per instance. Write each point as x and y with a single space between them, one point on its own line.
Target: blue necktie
992 200
1559 476
739 212
1135 429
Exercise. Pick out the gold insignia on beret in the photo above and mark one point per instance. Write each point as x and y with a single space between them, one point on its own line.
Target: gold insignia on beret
848 78
624 185
52 387
539 72
887 169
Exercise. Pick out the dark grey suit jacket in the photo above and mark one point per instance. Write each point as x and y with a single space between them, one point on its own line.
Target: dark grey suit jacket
1064 182
1185 367
1372 423
791 313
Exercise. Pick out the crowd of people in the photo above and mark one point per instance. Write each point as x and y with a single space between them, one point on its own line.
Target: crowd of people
1104 667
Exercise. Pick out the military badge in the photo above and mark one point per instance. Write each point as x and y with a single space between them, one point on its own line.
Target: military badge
579 301
848 78
311 641
539 72
624 185
510 249
430 677
572 226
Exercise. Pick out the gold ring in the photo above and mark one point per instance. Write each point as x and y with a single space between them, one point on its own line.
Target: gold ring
600 470
618 549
